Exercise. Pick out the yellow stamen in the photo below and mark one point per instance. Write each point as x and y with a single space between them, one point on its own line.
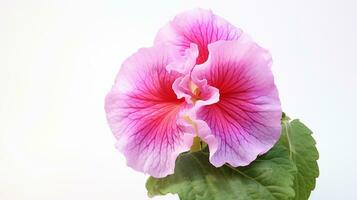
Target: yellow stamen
195 91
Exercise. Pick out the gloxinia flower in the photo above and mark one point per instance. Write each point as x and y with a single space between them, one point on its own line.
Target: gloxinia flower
197 26
203 78
145 114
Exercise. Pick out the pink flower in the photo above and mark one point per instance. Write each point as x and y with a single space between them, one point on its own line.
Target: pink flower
204 78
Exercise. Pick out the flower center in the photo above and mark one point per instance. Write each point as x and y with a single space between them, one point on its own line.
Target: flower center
196 93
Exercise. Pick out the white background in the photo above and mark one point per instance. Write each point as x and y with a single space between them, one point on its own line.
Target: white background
58 59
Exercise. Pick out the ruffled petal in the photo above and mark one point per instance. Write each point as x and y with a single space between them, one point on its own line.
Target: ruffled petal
197 26
184 63
246 119
145 114
197 93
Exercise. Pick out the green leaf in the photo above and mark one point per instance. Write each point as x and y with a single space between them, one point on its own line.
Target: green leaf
302 151
269 177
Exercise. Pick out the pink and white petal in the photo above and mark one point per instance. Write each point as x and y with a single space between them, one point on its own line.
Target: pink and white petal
246 119
143 110
181 88
184 63
197 26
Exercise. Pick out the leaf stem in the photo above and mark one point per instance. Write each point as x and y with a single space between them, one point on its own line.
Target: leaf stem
196 146
286 126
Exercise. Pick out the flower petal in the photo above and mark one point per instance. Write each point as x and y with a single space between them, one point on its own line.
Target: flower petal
145 114
185 62
246 119
197 26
